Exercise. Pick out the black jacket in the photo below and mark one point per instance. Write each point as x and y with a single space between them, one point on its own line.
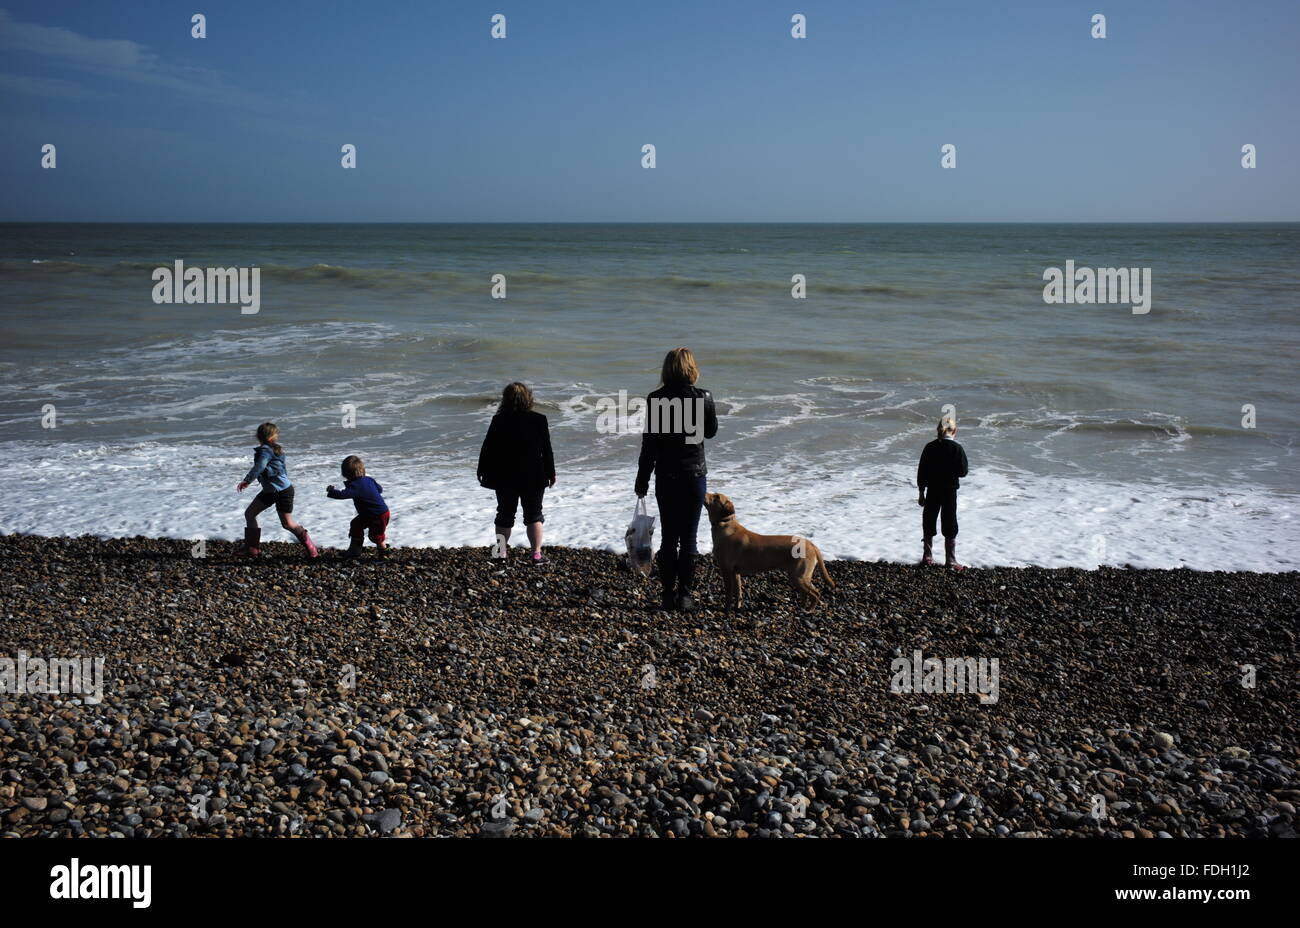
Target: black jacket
664 448
942 462
516 452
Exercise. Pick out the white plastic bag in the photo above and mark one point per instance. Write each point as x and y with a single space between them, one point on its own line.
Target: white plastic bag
640 539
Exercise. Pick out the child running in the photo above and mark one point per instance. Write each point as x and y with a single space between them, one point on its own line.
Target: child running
277 490
372 511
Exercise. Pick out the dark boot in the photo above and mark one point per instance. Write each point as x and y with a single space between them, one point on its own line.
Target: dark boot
927 552
252 542
950 554
354 548
668 577
685 602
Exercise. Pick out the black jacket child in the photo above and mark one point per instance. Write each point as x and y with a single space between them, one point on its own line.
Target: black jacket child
943 463
516 452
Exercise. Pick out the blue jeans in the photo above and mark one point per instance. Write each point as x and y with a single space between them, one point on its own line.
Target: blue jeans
681 500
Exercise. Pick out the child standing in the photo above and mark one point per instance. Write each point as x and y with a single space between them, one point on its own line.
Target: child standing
943 463
372 511
516 461
277 490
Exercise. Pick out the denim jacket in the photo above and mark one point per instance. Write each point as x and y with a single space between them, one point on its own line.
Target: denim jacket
268 470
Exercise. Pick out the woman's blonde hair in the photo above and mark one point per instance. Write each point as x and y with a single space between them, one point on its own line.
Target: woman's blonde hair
516 397
267 433
679 368
947 426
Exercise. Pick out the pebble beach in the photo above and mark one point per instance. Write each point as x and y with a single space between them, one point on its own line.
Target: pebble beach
438 692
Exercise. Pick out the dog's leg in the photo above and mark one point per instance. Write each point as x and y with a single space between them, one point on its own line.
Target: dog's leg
740 592
803 592
801 574
814 598
798 575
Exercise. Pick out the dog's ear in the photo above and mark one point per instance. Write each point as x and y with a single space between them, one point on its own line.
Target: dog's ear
727 505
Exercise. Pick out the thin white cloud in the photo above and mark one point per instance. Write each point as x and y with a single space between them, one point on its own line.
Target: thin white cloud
118 59
57 42
47 87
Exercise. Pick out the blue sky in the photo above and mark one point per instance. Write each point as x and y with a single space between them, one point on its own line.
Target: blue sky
749 123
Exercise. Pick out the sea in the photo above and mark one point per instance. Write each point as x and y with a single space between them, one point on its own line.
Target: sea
1095 435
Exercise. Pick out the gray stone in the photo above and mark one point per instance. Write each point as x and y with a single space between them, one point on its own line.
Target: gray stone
386 821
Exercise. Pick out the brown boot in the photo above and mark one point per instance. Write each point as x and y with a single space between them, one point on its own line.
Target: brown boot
250 547
927 552
950 554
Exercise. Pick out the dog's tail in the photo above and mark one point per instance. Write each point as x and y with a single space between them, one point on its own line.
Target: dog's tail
821 564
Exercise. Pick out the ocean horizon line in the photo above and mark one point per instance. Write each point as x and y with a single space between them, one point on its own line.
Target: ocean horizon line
637 222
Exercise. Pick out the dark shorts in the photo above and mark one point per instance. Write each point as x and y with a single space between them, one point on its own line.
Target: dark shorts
509 500
941 503
282 499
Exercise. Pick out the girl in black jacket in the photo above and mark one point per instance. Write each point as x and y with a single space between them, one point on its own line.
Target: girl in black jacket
516 461
679 416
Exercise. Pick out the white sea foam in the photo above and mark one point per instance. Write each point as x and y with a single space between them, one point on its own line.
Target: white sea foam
1077 423
1008 517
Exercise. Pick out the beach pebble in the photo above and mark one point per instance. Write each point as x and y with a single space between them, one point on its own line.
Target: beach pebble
480 704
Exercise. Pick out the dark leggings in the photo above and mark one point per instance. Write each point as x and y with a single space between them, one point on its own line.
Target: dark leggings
681 500
508 501
942 503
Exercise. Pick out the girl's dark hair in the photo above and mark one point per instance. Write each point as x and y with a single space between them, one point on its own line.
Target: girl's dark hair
516 398
267 433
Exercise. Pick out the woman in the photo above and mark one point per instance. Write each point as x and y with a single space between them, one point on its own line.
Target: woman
679 416
516 461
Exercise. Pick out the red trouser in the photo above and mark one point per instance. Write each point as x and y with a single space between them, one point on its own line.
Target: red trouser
377 525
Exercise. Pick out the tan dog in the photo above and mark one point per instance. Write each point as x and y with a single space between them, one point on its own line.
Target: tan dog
739 552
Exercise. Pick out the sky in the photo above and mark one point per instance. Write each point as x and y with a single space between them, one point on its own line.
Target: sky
749 124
